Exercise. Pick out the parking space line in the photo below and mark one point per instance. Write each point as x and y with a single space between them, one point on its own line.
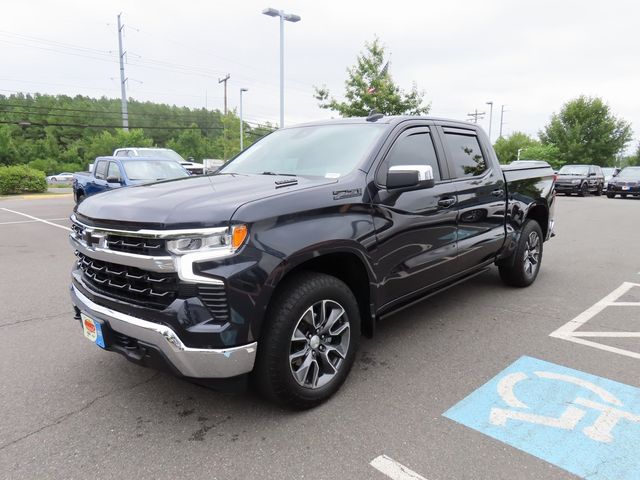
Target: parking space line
569 332
36 219
393 469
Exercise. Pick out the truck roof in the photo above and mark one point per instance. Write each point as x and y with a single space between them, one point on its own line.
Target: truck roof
390 120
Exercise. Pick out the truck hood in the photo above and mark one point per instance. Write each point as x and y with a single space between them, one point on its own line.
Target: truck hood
192 202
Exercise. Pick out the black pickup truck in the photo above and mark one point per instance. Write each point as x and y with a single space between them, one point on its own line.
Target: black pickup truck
275 265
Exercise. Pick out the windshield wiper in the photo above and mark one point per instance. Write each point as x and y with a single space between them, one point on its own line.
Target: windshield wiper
282 174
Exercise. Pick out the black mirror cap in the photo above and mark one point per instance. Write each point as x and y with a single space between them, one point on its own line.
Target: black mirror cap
409 179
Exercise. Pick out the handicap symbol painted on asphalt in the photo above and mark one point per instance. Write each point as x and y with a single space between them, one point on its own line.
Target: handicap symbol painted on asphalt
585 424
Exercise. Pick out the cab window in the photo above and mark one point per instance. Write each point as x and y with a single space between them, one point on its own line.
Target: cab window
465 156
411 148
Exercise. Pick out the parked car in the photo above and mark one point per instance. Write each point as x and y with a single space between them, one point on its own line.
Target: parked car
580 179
627 182
114 172
166 153
276 264
64 177
609 173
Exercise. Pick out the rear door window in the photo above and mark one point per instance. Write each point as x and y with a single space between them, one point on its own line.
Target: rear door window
464 155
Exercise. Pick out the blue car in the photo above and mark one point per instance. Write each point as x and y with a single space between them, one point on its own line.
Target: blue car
115 172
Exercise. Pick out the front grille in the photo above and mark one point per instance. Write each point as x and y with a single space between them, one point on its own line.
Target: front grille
137 245
215 298
150 289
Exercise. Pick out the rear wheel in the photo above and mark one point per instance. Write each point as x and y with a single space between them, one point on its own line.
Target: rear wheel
611 195
599 190
525 265
309 342
624 195
584 190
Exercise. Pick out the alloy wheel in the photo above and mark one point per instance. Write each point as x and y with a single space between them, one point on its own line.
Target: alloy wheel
532 254
319 344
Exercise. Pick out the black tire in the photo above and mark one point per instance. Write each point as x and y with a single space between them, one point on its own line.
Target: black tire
274 375
611 195
584 190
599 190
624 195
521 271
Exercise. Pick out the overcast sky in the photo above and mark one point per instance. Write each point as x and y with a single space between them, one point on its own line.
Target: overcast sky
530 56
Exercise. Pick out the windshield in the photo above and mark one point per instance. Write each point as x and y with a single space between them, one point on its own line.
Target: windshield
574 170
327 151
149 170
632 173
160 153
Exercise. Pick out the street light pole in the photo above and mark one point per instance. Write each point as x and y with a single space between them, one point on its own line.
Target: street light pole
241 125
289 17
490 117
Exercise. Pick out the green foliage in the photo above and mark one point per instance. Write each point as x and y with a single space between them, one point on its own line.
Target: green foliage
507 147
585 131
59 130
548 153
21 179
369 86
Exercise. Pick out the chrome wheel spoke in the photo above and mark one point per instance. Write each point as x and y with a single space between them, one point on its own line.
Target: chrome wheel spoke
340 329
298 336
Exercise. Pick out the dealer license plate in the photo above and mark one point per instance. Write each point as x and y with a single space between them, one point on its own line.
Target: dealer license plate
625 188
92 330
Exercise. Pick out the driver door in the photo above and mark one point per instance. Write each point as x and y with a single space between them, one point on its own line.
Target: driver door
416 229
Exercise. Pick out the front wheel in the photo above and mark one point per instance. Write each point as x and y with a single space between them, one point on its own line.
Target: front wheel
584 190
525 265
309 342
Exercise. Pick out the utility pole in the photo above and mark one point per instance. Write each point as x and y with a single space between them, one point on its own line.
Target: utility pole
123 89
490 117
476 115
225 80
501 119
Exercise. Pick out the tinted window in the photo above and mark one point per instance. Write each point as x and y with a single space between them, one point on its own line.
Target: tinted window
465 156
114 171
101 169
410 149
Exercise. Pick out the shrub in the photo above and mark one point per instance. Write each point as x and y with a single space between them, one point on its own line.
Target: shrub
21 179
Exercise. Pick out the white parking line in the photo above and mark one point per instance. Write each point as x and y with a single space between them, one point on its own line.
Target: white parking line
36 219
569 332
393 469
33 221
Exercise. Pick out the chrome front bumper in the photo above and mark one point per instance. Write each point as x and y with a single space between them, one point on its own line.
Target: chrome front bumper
190 362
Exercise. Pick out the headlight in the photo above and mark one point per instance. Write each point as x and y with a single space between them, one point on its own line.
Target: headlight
220 243
576 181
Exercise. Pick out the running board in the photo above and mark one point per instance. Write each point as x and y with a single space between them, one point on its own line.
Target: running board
430 294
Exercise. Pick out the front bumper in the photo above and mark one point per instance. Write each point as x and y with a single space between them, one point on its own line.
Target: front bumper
187 361
568 188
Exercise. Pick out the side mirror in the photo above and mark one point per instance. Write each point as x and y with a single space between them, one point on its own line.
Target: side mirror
114 180
592 174
410 177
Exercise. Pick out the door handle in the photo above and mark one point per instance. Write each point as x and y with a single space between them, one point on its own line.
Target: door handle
498 193
446 202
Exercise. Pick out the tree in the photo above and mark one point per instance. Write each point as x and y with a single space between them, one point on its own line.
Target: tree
548 153
585 131
107 142
507 148
8 152
369 86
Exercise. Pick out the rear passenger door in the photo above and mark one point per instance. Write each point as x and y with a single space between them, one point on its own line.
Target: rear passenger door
481 196
415 229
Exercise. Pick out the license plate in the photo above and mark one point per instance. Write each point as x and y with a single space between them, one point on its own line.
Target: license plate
625 188
92 330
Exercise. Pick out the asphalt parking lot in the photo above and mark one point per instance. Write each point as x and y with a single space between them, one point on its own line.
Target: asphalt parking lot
71 410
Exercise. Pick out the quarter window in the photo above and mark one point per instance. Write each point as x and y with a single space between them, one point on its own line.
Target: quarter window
465 156
410 149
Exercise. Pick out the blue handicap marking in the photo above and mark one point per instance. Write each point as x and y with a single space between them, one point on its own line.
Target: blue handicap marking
587 425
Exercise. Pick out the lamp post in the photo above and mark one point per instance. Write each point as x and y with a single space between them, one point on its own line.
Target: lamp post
289 17
490 117
241 125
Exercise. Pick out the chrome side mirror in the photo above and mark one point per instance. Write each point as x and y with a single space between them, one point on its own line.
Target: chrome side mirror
410 177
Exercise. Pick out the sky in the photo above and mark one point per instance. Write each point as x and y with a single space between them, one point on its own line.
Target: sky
531 57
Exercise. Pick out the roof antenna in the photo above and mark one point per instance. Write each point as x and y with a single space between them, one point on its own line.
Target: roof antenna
374 116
